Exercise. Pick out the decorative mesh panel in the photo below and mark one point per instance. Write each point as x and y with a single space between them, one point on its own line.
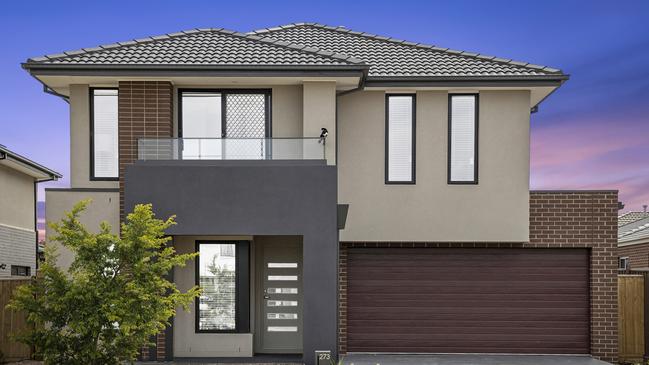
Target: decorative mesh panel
245 116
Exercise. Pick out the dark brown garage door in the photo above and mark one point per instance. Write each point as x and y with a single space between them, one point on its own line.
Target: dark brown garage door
468 300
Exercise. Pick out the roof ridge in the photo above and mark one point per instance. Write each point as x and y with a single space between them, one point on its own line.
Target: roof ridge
343 29
266 40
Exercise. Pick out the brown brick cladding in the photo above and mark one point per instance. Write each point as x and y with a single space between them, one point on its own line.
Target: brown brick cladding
570 219
638 255
145 109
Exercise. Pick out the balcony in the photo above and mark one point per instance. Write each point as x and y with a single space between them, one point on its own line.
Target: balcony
302 148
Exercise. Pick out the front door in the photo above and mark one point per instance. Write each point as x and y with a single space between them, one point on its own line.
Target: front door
279 295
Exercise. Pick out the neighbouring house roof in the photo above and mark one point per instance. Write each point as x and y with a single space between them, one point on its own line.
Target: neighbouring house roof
390 57
636 230
20 163
210 47
630 217
300 45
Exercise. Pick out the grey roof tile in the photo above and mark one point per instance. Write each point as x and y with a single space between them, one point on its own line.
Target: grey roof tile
299 44
201 47
392 57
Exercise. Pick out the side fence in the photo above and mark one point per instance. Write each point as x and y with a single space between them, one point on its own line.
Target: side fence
11 322
633 327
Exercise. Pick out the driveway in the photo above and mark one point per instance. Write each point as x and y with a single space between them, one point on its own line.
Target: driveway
381 359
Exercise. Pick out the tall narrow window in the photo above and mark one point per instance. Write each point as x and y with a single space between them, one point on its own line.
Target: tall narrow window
104 139
223 275
400 139
463 139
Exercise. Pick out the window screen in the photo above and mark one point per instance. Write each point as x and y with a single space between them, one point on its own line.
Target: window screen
463 139
400 130
104 133
217 278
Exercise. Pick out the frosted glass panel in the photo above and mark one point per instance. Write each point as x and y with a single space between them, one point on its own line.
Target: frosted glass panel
400 123
105 133
463 152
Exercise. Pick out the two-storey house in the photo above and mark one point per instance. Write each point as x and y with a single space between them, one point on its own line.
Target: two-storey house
346 192
19 177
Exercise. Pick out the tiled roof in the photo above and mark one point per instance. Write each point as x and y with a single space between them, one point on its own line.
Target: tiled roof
295 46
398 58
198 47
631 217
634 231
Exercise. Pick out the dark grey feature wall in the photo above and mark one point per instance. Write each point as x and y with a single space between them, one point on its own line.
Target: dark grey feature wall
255 198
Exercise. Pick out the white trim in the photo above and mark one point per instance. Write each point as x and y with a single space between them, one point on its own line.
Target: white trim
31 230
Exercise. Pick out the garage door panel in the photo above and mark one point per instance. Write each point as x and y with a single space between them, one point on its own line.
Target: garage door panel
442 322
499 304
468 300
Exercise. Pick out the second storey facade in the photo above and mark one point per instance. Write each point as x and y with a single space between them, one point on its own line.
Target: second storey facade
299 160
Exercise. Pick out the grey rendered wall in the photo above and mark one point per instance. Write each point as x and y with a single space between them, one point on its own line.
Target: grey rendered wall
16 199
255 198
497 209
104 207
80 140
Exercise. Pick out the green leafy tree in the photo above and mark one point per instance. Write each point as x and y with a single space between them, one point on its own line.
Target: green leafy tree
112 299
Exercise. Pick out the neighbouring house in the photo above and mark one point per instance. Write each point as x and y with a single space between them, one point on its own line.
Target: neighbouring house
19 177
346 191
633 241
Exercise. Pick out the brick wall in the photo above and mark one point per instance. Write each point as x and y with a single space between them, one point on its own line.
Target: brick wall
145 109
638 255
557 219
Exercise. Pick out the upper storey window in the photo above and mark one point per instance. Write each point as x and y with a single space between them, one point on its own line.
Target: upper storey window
463 139
400 139
225 124
104 134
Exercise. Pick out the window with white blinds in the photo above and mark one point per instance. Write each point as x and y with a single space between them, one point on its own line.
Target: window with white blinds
400 142
217 278
462 139
104 134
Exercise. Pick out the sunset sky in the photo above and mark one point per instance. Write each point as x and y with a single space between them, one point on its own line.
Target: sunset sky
593 133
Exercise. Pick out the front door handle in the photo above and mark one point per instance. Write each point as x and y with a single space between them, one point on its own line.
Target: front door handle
266 296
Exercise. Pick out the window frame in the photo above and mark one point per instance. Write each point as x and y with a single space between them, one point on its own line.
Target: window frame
91 96
624 259
242 286
27 270
476 155
268 100
413 167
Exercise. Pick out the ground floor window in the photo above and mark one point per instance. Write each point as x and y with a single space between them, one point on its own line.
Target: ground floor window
20 270
222 273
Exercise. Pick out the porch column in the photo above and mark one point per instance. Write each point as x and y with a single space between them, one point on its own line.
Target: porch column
319 111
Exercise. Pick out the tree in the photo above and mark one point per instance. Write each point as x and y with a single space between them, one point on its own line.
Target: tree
112 299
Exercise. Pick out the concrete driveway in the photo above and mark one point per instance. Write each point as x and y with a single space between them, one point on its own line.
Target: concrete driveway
385 359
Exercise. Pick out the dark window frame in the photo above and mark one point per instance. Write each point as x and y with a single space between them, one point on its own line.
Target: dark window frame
626 261
268 100
413 167
242 289
476 154
15 268
91 96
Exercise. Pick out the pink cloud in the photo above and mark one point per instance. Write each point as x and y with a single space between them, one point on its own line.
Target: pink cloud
594 153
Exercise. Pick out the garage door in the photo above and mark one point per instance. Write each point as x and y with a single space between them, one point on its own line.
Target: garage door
468 300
